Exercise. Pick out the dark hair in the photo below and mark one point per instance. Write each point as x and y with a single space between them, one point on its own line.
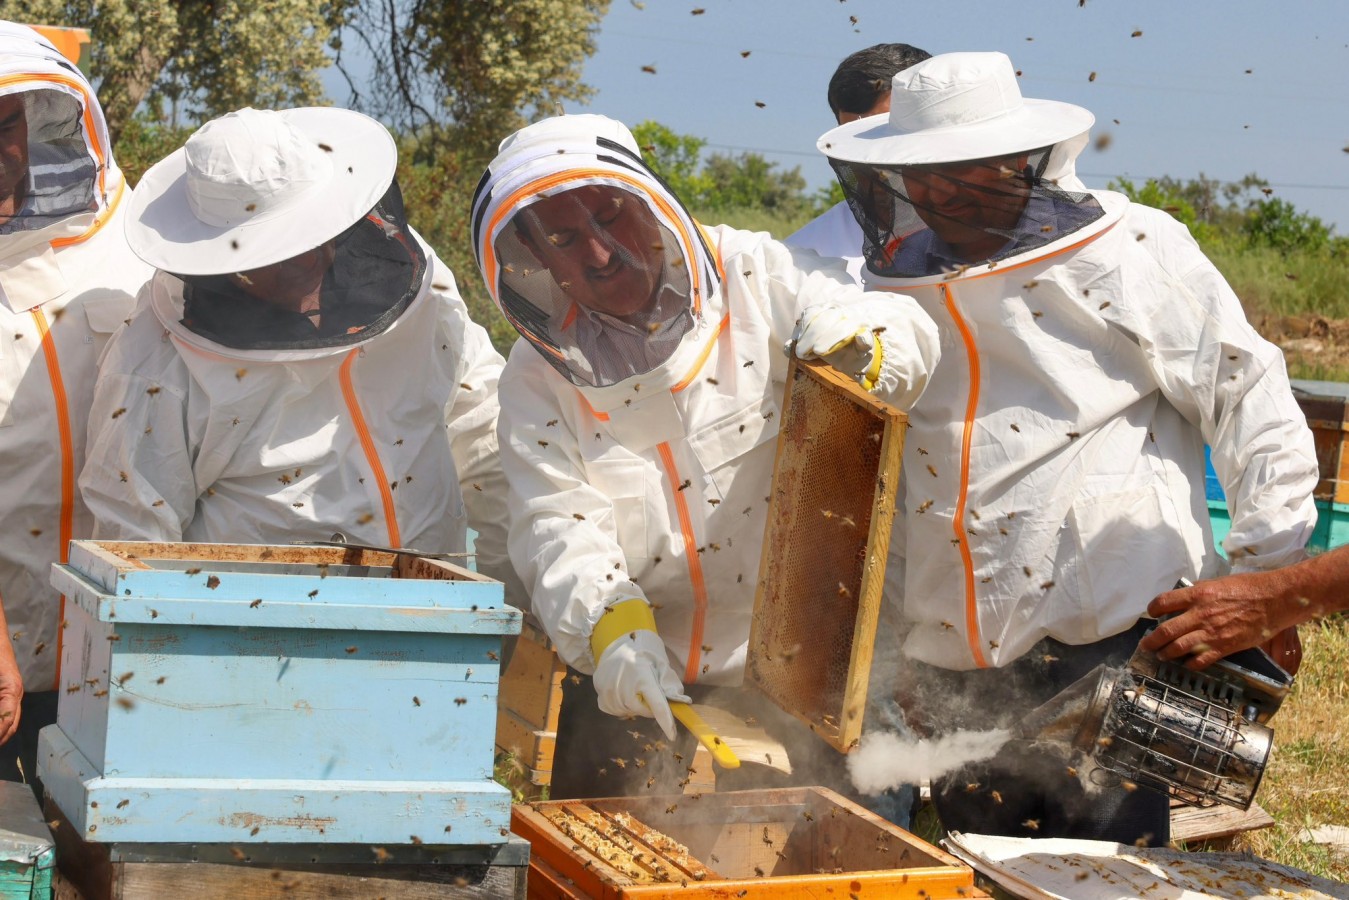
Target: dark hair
864 77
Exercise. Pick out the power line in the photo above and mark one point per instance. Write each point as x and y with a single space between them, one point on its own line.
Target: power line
817 155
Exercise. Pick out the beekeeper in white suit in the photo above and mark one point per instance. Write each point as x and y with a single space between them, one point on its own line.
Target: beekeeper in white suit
302 363
67 281
638 419
1055 463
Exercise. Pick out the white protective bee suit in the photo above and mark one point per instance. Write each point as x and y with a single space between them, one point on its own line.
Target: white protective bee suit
644 475
1055 463
67 280
206 428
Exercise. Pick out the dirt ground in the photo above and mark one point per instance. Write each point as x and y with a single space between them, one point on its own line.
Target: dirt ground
1309 343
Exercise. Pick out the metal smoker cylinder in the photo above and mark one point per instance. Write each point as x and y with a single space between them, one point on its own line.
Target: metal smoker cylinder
1199 735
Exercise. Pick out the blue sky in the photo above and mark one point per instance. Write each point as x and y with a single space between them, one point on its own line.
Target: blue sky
1181 91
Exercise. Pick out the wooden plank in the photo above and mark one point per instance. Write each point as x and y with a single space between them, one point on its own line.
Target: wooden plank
531 686
821 575
1193 823
89 872
533 746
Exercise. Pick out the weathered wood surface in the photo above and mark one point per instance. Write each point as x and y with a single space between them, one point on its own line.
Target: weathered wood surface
1192 823
92 871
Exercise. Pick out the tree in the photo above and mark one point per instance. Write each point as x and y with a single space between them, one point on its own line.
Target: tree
1277 223
677 158
197 57
487 66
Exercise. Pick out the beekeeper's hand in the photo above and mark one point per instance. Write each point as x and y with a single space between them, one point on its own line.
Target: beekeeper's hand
841 338
632 673
11 690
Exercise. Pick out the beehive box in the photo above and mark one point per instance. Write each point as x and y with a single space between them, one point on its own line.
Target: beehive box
27 853
249 694
529 704
785 843
823 566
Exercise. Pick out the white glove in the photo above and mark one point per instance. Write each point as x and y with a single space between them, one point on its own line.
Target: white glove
633 678
840 337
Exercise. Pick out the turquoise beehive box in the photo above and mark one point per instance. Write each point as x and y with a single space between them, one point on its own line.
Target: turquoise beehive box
230 693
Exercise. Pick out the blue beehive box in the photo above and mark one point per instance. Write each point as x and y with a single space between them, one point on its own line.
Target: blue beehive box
229 693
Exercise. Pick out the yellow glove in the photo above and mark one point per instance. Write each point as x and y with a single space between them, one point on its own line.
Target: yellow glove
632 670
841 338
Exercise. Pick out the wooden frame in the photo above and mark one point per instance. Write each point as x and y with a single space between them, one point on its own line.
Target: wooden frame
823 565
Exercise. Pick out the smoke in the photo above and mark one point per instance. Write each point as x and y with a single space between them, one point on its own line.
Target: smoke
885 760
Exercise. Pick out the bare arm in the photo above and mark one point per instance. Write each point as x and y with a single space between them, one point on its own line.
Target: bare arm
1219 617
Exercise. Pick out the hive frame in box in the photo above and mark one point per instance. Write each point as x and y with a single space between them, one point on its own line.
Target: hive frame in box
805 842
822 570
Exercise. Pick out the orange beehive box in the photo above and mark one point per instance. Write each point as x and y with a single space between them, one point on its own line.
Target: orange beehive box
786 843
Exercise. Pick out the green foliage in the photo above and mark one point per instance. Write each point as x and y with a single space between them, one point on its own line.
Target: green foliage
196 59
1165 197
1277 223
437 197
746 187
677 158
143 143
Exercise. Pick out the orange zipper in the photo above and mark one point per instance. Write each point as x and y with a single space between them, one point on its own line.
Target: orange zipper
62 405
695 564
958 523
371 453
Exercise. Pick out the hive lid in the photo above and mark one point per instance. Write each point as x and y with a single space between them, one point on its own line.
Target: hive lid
280 587
23 832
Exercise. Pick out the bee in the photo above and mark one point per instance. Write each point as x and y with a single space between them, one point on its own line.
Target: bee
238 854
947 625
578 517
543 443
712 381
381 855
687 483
1074 435
1130 787
416 701
760 104
650 70
1046 585
1032 824
240 373
650 782
620 762
124 804
924 506
669 810
993 645
119 412
698 11
365 518
35 532
932 470
1104 305
126 703
460 701
39 648
414 839
1091 77
314 593
161 679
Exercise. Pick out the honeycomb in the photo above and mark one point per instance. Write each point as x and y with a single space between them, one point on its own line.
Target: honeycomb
824 555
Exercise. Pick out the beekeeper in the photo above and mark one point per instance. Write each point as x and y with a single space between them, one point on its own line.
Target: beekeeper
302 363
67 280
1055 463
859 87
639 413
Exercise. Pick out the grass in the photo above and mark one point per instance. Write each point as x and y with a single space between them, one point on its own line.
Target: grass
1307 782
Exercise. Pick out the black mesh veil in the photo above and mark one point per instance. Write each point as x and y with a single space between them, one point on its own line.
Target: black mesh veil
62 176
375 271
923 220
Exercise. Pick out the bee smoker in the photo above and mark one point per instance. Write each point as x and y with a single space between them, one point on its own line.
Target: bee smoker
1201 736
